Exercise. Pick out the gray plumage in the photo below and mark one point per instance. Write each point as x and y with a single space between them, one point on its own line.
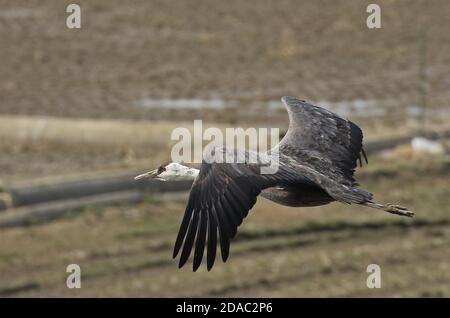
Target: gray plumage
317 159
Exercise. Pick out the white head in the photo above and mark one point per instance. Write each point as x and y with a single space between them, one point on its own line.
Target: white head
170 171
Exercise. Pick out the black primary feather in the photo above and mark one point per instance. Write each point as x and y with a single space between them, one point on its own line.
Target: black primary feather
319 151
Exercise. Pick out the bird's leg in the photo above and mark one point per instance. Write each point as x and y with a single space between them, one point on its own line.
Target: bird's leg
391 208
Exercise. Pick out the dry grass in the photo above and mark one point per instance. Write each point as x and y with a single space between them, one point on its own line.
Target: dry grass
39 146
125 251
246 50
62 146
317 50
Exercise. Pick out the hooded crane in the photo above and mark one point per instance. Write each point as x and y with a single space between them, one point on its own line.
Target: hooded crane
317 159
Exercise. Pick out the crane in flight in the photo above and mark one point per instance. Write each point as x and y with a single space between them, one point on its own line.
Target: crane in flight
317 158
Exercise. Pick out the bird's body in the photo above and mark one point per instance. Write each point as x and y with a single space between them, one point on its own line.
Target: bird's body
316 161
300 195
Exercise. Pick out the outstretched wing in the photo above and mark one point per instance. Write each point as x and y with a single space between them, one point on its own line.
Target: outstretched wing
220 198
322 140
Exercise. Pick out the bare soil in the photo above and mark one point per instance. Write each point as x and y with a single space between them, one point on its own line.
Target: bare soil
125 251
239 50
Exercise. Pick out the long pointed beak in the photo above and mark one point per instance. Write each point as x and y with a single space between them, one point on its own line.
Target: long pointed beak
150 174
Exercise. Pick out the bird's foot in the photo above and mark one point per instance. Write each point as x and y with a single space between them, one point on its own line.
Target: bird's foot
399 210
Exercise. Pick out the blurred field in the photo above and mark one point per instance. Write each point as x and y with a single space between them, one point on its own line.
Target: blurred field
70 146
324 251
65 146
251 52
244 50
76 101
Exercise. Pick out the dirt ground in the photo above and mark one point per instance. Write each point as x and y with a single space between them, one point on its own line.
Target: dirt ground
279 251
71 102
233 50
252 52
